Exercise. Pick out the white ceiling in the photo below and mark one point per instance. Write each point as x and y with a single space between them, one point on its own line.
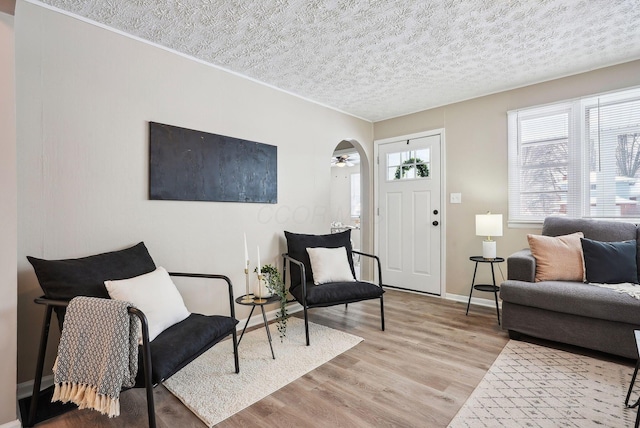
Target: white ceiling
378 59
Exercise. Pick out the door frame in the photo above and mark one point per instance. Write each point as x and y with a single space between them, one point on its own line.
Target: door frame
443 206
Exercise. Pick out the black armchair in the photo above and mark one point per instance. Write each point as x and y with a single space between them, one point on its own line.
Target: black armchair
311 295
160 358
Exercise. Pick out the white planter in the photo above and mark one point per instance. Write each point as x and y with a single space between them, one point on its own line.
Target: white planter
260 289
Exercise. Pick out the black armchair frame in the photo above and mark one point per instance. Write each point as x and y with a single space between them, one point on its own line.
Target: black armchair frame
637 403
303 284
146 348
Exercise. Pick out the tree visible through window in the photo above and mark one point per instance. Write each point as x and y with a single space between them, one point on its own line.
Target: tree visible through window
578 158
628 154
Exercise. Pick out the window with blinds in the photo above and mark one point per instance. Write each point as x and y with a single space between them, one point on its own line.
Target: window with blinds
579 158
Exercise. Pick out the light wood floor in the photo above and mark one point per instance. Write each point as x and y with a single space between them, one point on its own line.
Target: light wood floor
417 373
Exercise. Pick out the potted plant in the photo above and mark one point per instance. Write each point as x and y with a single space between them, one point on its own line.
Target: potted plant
275 285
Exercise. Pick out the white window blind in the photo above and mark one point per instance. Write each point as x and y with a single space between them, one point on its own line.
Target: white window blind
579 158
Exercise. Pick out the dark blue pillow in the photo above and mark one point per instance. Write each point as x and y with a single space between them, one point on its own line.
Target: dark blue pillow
298 243
610 262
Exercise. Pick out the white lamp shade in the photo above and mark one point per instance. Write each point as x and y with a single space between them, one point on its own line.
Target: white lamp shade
489 224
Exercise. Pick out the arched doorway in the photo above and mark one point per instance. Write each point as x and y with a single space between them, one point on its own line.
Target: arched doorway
350 196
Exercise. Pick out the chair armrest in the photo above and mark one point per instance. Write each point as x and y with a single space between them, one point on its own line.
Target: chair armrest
521 266
303 274
132 310
51 302
378 263
212 276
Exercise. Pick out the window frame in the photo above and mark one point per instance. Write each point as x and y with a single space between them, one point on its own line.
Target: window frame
578 190
411 165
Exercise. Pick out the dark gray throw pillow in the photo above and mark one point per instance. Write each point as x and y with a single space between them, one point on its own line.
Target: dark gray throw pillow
610 262
66 279
298 243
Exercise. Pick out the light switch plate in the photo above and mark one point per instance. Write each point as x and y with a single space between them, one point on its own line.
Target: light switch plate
456 198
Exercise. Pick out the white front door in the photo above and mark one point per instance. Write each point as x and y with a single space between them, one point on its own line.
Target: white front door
409 213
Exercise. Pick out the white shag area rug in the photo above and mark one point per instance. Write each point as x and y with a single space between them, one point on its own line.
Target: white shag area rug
211 389
534 386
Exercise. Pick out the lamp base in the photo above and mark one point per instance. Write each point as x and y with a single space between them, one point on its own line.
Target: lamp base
489 249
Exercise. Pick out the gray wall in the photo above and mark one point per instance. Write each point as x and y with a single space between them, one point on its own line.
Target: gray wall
85 97
8 221
476 159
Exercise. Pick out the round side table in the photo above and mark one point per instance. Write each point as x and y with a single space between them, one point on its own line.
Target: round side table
253 304
492 288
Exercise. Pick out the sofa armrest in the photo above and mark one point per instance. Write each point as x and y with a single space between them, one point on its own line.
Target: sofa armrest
521 266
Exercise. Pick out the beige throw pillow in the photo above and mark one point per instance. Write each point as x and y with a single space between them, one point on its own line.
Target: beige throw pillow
558 258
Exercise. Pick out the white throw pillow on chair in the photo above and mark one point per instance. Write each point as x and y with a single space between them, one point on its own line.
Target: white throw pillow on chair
330 265
154 294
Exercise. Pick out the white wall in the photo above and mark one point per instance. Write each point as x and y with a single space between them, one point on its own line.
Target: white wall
8 221
85 97
340 204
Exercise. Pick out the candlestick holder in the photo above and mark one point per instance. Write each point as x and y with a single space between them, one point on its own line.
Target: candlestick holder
248 298
258 298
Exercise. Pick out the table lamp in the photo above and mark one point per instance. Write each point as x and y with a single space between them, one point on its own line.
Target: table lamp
489 225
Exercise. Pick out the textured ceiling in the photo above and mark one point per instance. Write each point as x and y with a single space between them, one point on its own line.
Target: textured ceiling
378 59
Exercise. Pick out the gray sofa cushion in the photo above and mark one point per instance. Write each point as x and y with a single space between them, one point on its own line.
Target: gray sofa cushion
598 230
574 298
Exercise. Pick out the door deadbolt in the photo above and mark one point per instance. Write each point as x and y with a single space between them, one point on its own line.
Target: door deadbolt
435 212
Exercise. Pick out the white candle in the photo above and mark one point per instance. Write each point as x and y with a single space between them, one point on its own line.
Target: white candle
259 268
246 253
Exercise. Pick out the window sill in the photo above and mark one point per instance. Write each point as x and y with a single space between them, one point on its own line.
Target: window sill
537 224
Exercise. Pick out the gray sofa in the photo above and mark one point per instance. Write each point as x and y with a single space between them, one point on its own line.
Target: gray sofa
571 312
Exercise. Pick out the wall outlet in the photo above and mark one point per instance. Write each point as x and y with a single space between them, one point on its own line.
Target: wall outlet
456 198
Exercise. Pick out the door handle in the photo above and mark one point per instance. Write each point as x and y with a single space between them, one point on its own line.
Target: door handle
435 223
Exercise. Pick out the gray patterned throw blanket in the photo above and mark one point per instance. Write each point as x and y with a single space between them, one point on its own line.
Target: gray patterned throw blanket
97 355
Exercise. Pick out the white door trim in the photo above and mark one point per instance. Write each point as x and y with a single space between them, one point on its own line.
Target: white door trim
443 205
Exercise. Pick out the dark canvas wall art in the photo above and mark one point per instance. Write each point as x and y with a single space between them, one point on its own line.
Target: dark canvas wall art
188 165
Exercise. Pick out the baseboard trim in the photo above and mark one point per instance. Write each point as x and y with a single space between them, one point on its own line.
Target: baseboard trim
408 290
26 388
455 297
12 424
491 303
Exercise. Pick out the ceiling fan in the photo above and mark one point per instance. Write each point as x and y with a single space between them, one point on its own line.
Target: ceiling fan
341 161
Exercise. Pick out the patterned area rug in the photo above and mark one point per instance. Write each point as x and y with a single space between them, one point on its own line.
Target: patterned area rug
533 386
210 388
